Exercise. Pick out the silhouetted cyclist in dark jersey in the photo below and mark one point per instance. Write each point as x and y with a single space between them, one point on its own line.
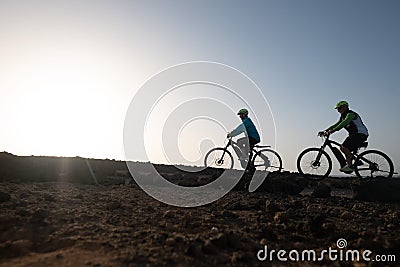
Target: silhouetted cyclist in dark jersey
249 129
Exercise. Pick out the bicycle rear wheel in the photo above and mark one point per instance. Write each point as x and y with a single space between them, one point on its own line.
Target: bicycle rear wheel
267 160
372 164
314 164
218 158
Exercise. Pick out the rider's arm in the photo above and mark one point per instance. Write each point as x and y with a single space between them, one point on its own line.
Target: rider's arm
333 126
238 130
349 117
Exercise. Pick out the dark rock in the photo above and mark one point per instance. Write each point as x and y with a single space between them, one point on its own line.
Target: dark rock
346 215
237 256
23 213
281 217
228 214
113 205
315 223
39 215
48 197
234 241
4 196
290 188
322 191
209 248
194 250
23 195
271 207
384 190
220 240
21 247
267 233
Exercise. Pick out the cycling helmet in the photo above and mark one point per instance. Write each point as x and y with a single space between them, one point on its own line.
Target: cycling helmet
243 111
341 104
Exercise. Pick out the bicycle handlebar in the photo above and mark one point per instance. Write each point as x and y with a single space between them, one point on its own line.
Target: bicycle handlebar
323 134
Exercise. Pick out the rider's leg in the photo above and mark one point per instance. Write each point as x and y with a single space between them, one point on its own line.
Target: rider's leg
243 151
252 143
352 143
243 144
348 155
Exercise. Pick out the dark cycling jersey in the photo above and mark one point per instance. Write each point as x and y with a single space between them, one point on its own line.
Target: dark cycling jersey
352 122
248 127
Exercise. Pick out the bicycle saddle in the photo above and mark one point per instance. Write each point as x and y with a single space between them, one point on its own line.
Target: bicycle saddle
261 146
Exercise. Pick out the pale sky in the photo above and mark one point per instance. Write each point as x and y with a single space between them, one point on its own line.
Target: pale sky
69 69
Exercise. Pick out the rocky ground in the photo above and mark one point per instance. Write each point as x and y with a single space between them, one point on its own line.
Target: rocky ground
68 224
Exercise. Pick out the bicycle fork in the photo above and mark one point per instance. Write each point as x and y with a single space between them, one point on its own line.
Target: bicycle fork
317 162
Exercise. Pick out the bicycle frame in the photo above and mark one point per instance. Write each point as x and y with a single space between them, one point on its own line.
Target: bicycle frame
329 143
235 144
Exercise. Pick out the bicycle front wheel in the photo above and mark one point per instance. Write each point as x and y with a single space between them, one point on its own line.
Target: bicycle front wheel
267 160
372 164
314 164
219 158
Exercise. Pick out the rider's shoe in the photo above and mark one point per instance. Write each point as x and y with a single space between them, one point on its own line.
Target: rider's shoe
346 169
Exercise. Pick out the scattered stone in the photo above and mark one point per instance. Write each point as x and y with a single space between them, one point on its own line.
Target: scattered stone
4 196
170 241
237 256
209 248
234 241
315 223
48 197
228 214
146 232
268 234
21 247
220 240
23 213
281 216
169 214
214 230
322 191
346 215
39 216
59 256
23 195
271 207
194 250
113 205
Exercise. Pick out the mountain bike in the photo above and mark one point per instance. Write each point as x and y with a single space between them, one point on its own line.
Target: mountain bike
261 158
316 164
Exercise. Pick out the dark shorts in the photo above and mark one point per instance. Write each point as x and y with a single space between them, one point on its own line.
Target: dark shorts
253 141
354 141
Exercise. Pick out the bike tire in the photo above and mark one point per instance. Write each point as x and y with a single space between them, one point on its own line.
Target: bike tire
306 167
380 160
218 151
275 164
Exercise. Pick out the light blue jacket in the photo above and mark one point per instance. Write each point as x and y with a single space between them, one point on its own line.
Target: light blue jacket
248 126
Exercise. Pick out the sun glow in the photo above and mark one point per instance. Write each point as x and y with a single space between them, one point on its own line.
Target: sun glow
60 102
